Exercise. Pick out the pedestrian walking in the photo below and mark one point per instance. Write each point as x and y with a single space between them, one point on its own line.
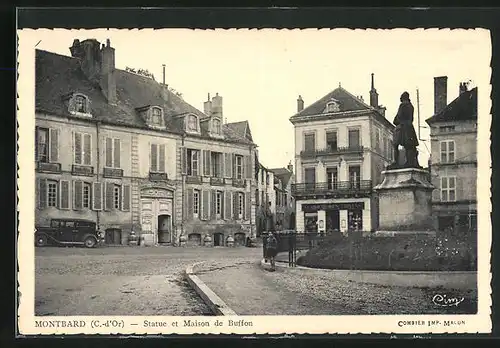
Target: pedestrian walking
271 249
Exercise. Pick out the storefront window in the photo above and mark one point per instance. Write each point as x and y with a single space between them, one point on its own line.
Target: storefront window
355 220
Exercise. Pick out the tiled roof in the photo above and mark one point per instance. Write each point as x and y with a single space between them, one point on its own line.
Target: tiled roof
58 75
241 127
347 101
462 108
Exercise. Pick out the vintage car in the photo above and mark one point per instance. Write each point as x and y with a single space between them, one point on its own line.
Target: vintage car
69 232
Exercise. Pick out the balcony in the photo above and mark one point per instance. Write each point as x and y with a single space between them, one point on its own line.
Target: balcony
82 170
112 172
215 181
154 176
340 189
358 149
47 167
193 179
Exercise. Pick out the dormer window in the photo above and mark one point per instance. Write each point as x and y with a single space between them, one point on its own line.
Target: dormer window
79 104
332 106
217 126
192 123
156 117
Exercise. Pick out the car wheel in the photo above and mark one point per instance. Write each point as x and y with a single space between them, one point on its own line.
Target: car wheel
90 242
41 240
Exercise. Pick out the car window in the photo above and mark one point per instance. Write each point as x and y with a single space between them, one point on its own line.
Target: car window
54 223
70 224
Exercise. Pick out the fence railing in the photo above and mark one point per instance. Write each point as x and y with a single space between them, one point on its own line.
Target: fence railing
353 186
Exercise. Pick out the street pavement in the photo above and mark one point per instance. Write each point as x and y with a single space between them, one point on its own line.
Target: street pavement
249 290
124 280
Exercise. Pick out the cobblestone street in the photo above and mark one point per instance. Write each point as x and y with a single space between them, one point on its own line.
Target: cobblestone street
124 280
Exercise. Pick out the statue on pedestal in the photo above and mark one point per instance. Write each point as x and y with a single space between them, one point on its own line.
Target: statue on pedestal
405 135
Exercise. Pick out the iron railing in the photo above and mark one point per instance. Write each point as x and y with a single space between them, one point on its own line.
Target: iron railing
341 187
332 151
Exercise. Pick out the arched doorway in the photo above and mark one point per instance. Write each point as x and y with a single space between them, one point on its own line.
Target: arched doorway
156 212
218 239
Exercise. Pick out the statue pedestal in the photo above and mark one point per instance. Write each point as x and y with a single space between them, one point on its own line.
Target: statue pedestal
405 202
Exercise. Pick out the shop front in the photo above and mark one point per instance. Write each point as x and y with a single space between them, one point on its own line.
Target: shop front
336 216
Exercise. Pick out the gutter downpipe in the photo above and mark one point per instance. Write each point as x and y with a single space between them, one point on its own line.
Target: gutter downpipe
183 177
98 123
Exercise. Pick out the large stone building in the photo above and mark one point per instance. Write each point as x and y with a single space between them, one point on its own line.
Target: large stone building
342 145
453 163
116 147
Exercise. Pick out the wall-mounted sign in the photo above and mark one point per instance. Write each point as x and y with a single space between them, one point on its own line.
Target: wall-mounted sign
342 223
309 208
321 224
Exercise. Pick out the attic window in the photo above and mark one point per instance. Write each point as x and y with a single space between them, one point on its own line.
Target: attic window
79 104
332 106
156 116
192 123
217 126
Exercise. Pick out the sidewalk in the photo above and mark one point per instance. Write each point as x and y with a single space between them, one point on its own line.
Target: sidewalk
250 290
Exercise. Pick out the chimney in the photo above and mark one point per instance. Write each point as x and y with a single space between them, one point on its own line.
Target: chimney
108 79
163 80
89 55
300 104
373 94
290 167
440 91
462 88
207 106
216 106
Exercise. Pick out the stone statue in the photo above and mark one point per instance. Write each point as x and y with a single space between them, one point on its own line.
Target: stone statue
405 135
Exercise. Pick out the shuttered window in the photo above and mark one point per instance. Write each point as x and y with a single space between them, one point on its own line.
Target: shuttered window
213 204
157 158
227 205
82 144
64 194
309 142
249 167
206 162
183 155
353 136
228 166
331 140
125 197
47 144
113 151
238 166
205 204
193 199
248 206
77 195
97 196
108 196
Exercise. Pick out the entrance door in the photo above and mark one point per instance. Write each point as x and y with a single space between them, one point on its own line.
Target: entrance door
332 220
156 218
218 239
164 228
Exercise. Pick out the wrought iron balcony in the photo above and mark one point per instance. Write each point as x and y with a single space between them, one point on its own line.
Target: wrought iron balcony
332 188
49 167
358 149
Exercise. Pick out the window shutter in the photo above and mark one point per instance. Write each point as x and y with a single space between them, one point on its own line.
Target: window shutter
54 145
116 155
77 147
222 170
205 205
126 197
189 211
458 187
108 200
42 193
77 194
64 194
249 167
37 130
248 206
214 205
154 158
228 165
183 160
235 206
234 165
227 205
109 152
208 164
97 195
87 148
161 168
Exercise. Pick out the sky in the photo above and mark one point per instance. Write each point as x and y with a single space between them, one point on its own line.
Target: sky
260 73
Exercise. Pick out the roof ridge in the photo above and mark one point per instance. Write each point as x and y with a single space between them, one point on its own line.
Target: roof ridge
356 98
57 54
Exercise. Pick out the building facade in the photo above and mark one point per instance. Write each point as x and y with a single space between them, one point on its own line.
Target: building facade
342 145
453 163
284 203
112 146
